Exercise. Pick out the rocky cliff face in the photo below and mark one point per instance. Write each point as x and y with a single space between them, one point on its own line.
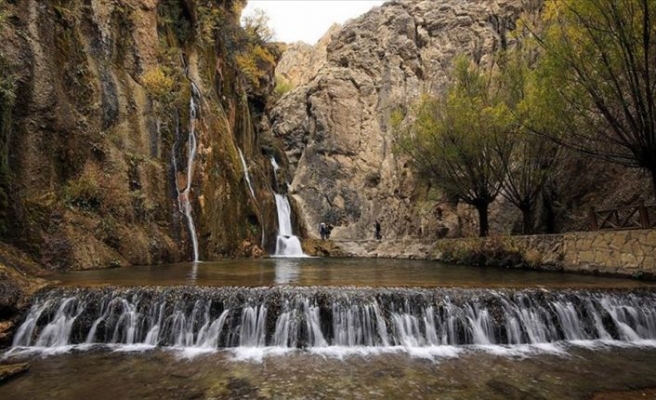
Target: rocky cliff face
335 125
301 61
103 105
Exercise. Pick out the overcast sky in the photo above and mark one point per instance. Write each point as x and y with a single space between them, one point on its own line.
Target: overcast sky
308 20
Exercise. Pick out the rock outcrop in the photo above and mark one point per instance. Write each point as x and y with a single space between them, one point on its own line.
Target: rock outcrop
336 128
20 277
301 62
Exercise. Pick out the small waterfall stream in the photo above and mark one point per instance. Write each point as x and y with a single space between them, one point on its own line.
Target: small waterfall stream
184 201
247 177
246 174
323 318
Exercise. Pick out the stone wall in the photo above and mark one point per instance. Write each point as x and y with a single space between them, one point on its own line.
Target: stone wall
623 252
630 253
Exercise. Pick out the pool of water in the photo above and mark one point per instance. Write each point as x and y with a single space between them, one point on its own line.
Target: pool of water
336 272
560 369
580 373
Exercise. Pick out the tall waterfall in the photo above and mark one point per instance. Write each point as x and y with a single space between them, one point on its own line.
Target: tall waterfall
184 201
336 318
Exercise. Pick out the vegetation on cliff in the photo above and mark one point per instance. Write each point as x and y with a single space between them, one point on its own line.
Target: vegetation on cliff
94 149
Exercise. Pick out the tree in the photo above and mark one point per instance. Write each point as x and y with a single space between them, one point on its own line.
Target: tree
460 142
598 74
257 26
525 172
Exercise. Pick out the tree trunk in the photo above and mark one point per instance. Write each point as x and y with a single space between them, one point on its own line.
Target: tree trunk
653 179
548 214
527 219
483 224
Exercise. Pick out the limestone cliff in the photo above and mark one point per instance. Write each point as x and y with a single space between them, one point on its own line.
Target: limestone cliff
104 103
338 141
335 125
301 61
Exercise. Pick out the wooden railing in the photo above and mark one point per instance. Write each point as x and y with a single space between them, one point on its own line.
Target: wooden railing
638 217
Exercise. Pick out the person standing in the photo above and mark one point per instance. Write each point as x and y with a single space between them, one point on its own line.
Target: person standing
322 230
377 230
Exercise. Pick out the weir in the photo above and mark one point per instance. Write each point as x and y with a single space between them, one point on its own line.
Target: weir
320 318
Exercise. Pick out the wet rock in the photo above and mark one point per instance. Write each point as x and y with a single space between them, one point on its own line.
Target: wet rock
510 392
10 371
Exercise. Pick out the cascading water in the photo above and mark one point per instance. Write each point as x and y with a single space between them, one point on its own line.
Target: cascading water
246 174
336 318
184 201
276 167
287 245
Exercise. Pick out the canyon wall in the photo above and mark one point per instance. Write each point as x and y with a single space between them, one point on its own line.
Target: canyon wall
104 103
335 126
337 135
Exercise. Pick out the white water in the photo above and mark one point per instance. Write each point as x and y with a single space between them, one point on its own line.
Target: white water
250 188
287 245
184 202
275 165
246 174
257 322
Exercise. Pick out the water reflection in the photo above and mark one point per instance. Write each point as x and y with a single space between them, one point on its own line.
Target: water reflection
287 270
193 274
333 272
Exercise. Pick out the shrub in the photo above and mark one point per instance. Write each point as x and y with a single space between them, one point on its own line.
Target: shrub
283 86
158 83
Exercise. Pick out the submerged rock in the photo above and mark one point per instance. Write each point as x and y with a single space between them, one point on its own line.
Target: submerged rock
12 370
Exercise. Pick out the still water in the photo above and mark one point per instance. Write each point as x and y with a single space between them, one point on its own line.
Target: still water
336 272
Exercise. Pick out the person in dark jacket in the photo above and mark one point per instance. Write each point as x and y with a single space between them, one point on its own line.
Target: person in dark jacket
323 231
377 230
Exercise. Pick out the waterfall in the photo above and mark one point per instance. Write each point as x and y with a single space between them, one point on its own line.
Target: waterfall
250 188
325 318
287 245
276 167
184 202
246 174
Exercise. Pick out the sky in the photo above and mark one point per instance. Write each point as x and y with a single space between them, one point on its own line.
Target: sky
308 20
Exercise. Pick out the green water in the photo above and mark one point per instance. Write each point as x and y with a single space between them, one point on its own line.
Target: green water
336 272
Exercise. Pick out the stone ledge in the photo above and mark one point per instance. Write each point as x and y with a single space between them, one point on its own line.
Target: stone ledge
625 253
